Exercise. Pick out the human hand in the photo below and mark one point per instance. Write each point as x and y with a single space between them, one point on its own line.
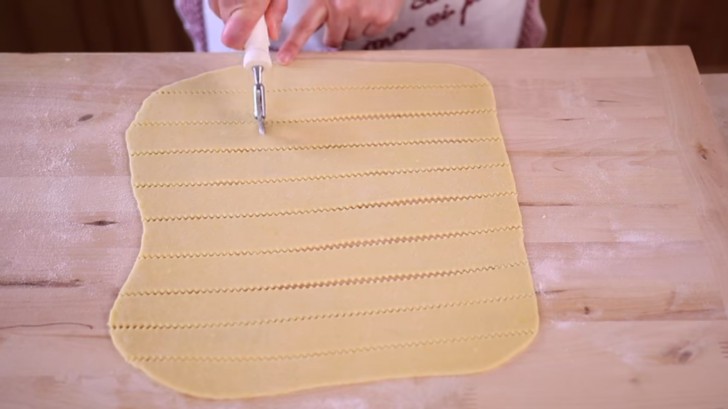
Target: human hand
344 19
240 16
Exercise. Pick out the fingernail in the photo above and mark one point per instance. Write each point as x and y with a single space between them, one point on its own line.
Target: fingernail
283 58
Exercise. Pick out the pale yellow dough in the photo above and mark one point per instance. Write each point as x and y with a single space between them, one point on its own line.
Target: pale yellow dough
373 233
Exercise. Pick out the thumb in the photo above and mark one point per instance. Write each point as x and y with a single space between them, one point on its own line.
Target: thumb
240 16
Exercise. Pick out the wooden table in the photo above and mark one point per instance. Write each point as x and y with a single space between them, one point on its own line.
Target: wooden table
623 182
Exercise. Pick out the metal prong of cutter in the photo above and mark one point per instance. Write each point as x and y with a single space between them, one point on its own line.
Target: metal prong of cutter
259 98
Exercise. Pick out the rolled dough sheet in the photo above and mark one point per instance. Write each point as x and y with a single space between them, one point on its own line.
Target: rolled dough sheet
373 233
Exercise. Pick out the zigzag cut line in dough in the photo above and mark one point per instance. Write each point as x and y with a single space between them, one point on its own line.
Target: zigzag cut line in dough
221 359
331 146
324 88
312 178
415 201
323 119
332 246
334 282
315 317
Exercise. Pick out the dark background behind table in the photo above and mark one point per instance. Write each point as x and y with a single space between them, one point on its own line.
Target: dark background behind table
153 25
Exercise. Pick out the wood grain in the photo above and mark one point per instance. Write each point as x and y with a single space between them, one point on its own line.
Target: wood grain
622 179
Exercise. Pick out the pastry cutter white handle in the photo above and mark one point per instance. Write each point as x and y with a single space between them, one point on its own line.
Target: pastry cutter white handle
257 57
257 48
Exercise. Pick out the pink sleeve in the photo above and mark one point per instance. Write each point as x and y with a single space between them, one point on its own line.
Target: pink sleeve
193 20
533 28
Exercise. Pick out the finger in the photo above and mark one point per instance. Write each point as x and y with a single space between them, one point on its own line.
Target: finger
240 16
311 21
356 29
336 26
226 8
374 30
215 7
274 17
